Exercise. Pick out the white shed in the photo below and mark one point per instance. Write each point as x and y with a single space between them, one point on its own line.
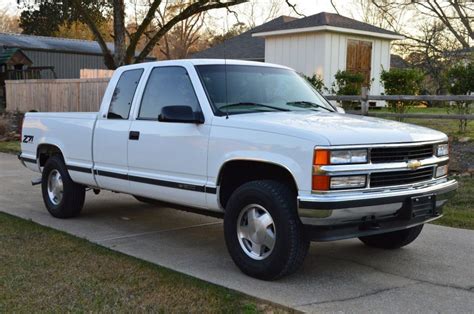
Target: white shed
324 43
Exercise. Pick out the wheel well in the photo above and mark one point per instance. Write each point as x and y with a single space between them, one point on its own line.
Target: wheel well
45 151
235 173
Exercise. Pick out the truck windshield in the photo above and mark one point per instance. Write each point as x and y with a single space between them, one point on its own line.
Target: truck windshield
235 89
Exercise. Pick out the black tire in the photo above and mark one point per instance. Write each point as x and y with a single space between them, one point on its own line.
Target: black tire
393 240
73 195
290 245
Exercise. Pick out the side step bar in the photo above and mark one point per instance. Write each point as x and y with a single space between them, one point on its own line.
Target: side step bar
36 181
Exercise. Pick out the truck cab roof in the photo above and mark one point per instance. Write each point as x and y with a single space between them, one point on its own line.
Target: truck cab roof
182 62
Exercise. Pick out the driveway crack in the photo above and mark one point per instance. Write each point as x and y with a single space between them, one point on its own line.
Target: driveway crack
467 289
156 231
368 294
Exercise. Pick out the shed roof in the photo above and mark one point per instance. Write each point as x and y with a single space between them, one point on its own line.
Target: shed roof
244 46
329 20
57 44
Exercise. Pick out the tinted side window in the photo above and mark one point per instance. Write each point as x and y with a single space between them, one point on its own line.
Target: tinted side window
123 94
167 86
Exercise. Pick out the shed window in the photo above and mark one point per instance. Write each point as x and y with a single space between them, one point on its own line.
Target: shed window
123 94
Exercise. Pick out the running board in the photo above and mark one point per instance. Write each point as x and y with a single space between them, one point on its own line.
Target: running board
36 181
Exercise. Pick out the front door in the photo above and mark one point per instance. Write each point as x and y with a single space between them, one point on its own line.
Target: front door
168 160
359 58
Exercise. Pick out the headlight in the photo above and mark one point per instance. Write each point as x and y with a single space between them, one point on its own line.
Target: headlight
442 150
353 156
441 171
348 182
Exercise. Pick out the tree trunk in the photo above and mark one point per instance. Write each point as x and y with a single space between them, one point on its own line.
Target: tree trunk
119 34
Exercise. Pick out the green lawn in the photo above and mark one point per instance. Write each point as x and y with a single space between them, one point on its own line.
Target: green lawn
459 211
44 270
450 127
10 147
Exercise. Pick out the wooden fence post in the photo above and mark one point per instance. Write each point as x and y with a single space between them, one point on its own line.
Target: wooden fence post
364 102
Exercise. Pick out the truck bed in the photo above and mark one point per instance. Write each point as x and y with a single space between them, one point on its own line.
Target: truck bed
72 132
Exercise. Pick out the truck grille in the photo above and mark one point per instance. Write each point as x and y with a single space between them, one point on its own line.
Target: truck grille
381 179
397 154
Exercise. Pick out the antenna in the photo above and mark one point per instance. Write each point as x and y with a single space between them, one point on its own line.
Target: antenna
226 29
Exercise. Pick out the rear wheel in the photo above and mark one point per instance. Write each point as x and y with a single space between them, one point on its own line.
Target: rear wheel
263 233
393 240
62 197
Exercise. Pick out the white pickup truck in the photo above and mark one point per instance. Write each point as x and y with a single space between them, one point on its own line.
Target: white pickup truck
250 141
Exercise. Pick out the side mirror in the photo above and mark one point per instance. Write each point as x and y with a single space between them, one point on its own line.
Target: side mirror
340 109
180 114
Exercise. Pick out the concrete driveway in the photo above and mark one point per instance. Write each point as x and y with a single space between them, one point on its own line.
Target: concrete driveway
434 274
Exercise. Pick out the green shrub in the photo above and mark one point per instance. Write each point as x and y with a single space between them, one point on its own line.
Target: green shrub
461 82
348 83
317 82
401 82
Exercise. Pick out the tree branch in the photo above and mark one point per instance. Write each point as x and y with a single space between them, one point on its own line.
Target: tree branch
108 57
463 17
293 7
334 6
135 38
442 16
195 8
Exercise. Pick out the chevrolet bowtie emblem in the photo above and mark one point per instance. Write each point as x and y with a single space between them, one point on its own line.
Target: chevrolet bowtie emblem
414 164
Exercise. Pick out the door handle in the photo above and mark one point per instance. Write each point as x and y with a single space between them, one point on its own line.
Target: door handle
134 135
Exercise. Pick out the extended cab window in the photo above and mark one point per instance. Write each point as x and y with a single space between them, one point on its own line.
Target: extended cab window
167 86
123 94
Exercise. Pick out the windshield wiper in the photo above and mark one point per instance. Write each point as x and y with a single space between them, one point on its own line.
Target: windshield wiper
252 104
306 104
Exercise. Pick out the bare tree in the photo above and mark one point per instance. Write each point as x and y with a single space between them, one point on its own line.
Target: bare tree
8 23
181 39
126 43
456 15
382 14
256 12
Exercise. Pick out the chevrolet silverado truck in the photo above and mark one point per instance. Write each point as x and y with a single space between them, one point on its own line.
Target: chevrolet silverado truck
253 142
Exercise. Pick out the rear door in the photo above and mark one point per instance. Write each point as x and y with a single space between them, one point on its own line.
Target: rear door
168 160
111 134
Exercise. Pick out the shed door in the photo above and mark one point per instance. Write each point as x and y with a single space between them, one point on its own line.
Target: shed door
359 58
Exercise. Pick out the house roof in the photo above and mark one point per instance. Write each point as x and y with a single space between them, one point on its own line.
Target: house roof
244 46
57 44
6 56
329 21
464 52
398 62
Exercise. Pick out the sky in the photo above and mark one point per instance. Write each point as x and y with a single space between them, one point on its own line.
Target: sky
224 20
308 7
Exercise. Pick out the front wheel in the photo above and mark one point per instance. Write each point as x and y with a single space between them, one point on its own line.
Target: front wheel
62 197
393 240
263 233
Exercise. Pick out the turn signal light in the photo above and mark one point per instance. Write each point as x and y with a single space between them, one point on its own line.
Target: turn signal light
321 182
321 157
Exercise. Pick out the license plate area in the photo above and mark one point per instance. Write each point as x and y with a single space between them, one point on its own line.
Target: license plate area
421 206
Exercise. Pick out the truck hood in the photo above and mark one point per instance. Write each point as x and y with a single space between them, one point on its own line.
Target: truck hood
338 129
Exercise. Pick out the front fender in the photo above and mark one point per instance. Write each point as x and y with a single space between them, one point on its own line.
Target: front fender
293 154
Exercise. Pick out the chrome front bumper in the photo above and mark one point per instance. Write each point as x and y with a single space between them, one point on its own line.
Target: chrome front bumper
364 208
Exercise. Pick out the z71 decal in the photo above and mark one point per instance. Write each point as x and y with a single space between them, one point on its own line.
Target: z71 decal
28 139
